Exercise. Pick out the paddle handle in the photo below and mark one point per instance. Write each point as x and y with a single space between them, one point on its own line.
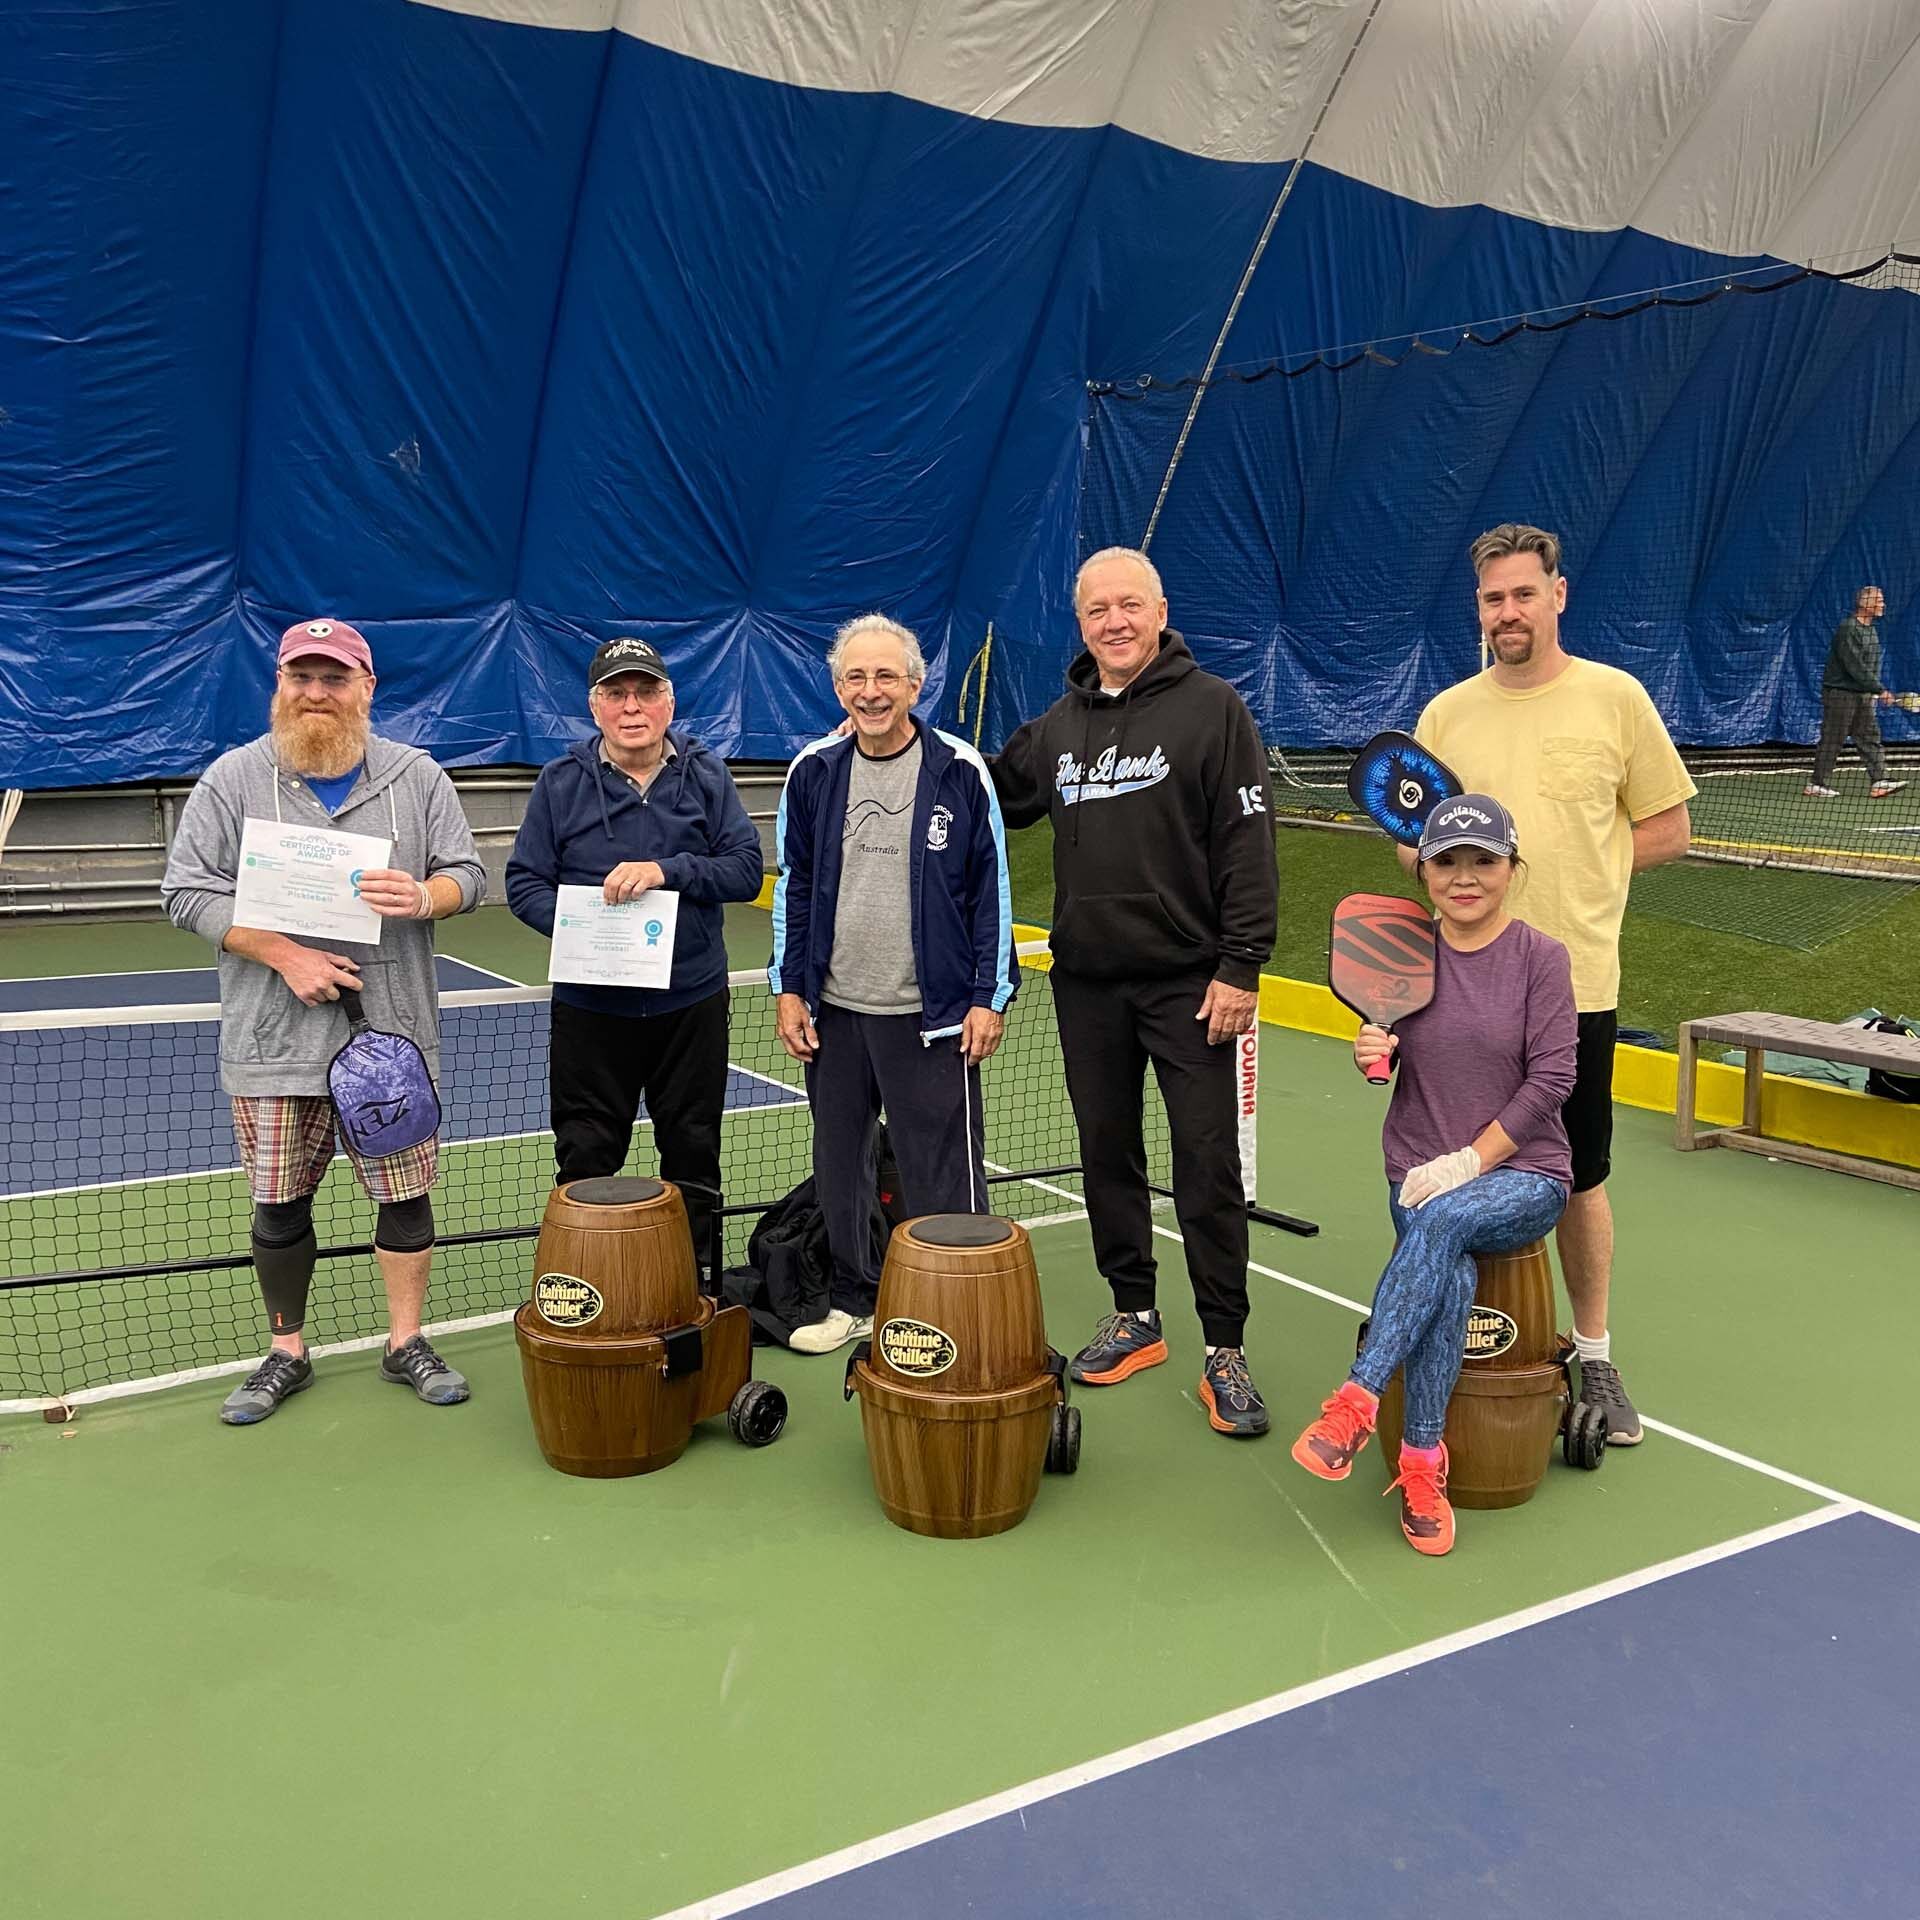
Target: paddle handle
351 1007
1382 1069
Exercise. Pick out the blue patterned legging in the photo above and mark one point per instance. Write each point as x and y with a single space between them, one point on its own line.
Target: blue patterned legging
1420 1306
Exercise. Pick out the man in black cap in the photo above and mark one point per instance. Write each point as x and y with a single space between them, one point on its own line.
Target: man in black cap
640 807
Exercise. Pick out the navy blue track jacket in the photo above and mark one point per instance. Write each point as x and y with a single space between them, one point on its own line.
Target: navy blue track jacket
962 908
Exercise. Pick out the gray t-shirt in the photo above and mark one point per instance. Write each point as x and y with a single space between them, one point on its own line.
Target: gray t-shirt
871 969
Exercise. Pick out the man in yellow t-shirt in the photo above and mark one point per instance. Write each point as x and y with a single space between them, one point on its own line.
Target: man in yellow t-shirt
1579 757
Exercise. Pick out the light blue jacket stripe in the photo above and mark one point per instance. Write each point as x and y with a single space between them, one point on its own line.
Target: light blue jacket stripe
776 966
1003 886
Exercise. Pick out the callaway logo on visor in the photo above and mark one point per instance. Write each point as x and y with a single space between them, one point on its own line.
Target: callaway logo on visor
1464 816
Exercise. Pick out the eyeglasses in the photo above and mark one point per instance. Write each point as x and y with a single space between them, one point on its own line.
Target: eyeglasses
885 680
643 695
318 682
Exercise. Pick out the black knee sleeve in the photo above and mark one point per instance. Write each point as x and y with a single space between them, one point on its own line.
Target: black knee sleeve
404 1226
283 1255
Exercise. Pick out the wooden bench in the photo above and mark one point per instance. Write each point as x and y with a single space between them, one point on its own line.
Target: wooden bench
1756 1032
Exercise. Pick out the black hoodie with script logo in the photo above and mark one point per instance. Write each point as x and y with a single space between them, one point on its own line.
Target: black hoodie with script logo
1163 856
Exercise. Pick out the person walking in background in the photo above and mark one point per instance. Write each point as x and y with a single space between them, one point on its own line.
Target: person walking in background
1850 689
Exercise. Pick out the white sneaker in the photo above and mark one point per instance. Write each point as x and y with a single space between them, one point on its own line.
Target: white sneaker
1815 791
1883 788
834 1331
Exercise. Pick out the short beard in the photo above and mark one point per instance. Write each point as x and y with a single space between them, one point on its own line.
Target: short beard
326 746
1522 642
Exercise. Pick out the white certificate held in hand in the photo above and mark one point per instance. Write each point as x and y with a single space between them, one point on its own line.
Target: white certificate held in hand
305 880
595 945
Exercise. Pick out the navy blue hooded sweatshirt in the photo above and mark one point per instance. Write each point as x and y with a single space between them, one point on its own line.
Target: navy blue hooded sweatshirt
584 818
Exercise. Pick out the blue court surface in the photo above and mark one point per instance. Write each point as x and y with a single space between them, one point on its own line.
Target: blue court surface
1733 1736
179 987
112 1103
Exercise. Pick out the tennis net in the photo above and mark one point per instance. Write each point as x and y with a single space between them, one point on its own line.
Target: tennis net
1769 860
124 1217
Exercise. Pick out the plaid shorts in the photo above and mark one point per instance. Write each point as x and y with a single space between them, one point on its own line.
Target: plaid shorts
286 1141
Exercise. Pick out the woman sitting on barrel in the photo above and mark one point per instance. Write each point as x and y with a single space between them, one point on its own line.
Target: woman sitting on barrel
1476 1151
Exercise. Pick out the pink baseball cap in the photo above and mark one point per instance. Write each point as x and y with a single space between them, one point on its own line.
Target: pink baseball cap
330 639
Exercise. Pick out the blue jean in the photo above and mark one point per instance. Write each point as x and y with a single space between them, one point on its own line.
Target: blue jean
1420 1306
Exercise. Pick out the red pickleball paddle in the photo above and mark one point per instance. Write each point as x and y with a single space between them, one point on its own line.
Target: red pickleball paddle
1380 961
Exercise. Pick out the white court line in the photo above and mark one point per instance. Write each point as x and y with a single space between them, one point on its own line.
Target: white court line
884 1846
106 973
1814 1487
473 966
188 1376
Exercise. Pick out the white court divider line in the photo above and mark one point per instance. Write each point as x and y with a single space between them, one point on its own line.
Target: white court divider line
1780 1473
187 1376
976 1813
106 973
1729 1454
474 966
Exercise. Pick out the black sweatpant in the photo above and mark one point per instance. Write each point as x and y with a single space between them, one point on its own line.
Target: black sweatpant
1109 1030
867 1063
603 1064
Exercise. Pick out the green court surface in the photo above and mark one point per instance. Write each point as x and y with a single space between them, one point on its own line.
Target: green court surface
373 1657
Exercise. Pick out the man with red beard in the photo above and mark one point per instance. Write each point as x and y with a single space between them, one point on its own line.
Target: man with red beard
279 1024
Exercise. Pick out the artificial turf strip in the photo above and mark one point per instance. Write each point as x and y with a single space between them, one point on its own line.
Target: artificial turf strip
1670 972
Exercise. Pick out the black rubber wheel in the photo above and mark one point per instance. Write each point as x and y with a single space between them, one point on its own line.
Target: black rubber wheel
758 1414
1063 1441
1594 1449
1583 1440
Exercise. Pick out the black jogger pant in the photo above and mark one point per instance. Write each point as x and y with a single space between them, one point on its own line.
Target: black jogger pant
1109 1030
869 1062
603 1064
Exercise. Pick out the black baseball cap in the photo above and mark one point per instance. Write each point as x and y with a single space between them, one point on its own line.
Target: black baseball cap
626 656
1470 820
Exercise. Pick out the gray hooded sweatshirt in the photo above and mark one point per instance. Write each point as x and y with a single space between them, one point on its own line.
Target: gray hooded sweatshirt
269 1042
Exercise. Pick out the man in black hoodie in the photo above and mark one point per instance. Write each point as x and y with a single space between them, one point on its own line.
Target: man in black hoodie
1166 896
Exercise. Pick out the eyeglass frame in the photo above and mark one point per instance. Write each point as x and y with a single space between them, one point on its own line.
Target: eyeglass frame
855 680
338 682
651 688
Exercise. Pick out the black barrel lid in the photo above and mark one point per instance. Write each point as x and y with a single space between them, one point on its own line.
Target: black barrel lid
961 1230
614 1192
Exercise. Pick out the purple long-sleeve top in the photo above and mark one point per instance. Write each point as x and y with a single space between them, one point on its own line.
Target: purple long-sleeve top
1497 1043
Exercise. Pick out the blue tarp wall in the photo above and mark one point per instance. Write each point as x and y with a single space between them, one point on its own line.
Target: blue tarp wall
501 326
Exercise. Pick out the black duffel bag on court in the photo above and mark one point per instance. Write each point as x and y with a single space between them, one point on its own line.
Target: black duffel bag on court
788 1279
1895 1086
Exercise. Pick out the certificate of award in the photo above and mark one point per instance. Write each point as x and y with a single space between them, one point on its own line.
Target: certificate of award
595 945
305 880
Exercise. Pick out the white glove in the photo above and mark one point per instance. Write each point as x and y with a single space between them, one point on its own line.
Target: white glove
1450 1170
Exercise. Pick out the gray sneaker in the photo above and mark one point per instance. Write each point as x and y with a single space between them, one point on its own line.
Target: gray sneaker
261 1392
416 1365
1600 1387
